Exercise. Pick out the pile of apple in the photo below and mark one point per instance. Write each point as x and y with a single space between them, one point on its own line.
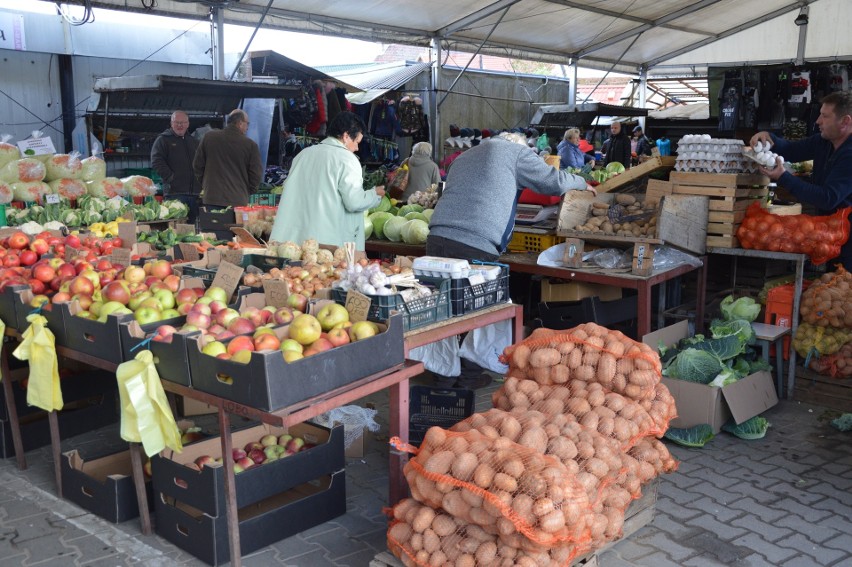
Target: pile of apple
270 448
307 335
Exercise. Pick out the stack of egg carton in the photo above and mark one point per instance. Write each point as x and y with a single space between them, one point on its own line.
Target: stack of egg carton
702 153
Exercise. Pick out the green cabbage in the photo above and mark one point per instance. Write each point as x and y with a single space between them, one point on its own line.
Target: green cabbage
697 436
415 231
428 214
383 206
694 365
740 328
743 308
392 228
379 219
754 428
416 216
411 208
368 226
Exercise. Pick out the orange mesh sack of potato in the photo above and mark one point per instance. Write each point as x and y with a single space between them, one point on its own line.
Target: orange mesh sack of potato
611 414
590 353
426 537
828 301
519 494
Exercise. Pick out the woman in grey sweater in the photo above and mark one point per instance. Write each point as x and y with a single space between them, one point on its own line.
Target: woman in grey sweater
422 171
474 217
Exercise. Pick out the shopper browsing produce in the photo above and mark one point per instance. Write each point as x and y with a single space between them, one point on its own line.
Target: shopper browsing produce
830 185
422 171
475 216
324 196
171 157
228 163
570 154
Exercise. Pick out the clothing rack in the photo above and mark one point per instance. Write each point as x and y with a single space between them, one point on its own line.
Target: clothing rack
382 150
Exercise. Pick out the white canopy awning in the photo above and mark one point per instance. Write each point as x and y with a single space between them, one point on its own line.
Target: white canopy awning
664 36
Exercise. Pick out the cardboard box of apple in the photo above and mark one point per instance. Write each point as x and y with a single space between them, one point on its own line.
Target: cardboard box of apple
195 476
315 353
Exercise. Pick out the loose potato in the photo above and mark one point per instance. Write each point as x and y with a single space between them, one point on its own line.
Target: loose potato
624 199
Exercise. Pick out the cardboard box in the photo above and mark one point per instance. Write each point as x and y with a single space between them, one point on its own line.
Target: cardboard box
79 386
558 290
193 407
205 489
699 403
270 383
9 304
53 315
260 524
100 340
103 486
77 418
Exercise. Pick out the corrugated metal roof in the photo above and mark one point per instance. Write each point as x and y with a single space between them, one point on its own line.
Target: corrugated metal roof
387 76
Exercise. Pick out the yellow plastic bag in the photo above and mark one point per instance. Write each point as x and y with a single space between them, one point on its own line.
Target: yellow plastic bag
39 348
145 413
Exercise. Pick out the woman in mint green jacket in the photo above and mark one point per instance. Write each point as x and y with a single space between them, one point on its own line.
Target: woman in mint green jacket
323 195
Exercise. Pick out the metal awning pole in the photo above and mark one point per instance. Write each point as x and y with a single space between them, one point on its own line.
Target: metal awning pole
434 108
251 39
472 57
218 24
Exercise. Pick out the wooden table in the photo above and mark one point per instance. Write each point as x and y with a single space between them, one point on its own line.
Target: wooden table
526 263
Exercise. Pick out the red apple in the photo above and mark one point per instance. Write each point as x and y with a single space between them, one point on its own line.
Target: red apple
185 295
66 271
318 346
205 461
240 343
172 282
283 316
81 285
44 273
226 316
297 301
266 341
338 337
134 274
241 326
19 241
160 269
116 291
198 319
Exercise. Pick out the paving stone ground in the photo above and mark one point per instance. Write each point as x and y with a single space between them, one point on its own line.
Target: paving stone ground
782 501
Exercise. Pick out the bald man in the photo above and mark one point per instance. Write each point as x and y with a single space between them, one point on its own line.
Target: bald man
171 157
228 164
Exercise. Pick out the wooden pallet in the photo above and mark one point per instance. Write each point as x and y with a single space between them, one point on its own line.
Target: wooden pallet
822 390
639 514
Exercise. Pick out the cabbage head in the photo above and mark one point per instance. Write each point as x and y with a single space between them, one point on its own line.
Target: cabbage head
414 215
743 308
411 208
392 228
379 219
753 428
694 365
368 226
428 214
383 206
697 436
415 231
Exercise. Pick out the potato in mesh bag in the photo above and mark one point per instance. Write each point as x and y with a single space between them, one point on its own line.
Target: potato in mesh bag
489 482
588 352
425 537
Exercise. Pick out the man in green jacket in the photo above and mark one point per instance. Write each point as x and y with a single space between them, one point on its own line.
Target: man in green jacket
228 164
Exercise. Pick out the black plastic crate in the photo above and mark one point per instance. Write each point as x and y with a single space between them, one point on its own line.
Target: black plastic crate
441 407
467 298
415 313
266 263
209 220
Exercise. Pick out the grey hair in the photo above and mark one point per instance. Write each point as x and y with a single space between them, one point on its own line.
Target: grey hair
571 133
422 149
512 137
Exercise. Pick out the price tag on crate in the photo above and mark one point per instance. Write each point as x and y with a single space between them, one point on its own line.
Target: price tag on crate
643 259
52 199
228 277
188 252
127 234
358 305
276 292
120 256
233 256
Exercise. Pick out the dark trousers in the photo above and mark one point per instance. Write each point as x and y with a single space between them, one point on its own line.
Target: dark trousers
190 201
446 248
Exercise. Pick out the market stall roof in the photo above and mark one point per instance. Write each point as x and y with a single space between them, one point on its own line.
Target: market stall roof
269 62
566 116
141 98
606 34
375 80
697 111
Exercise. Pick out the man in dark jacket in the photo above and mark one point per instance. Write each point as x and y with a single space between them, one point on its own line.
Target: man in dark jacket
228 164
830 185
619 146
171 157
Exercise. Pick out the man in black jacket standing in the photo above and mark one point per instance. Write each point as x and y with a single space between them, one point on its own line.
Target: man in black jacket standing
171 157
619 146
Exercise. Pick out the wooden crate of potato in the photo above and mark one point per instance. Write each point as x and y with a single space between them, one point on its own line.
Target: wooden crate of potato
676 220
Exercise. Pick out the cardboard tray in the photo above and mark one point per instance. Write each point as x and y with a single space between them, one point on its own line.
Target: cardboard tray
260 524
269 383
205 489
103 486
80 386
100 340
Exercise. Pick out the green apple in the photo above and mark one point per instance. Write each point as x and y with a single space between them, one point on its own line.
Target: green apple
170 313
290 344
165 297
145 315
138 298
214 348
216 293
